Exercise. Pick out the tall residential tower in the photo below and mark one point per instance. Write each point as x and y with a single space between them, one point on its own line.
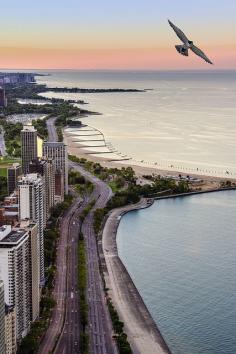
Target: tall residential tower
32 207
29 149
2 318
58 152
13 173
15 273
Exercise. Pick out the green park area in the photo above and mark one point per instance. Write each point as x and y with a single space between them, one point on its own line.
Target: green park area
6 162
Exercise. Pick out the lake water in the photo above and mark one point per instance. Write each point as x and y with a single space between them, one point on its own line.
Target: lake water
181 254
187 120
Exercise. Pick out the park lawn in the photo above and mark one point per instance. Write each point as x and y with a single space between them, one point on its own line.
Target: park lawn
114 187
6 162
3 171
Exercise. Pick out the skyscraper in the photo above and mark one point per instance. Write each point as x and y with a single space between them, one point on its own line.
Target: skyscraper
10 329
13 173
34 263
3 100
58 152
15 273
59 186
2 319
29 149
32 207
45 167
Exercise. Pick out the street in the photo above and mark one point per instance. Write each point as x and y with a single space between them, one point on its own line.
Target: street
63 333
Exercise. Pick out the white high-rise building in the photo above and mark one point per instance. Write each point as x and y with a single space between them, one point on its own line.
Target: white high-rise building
15 273
34 263
32 207
58 152
46 169
2 319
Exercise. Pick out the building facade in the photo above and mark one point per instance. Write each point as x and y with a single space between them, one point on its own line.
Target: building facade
58 152
29 149
32 207
10 330
15 273
13 173
34 264
2 319
3 100
46 169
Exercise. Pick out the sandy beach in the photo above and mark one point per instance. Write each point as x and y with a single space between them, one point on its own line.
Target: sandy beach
79 150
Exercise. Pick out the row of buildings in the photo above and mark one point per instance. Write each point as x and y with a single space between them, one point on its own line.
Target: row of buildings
13 78
34 187
16 78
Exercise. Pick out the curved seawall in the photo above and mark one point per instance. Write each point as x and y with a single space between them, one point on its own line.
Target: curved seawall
142 331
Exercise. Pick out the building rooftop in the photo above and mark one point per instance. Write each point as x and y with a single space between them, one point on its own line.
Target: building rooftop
54 143
29 178
14 165
29 128
11 213
10 206
10 236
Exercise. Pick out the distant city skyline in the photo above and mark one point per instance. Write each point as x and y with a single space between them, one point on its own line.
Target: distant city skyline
120 35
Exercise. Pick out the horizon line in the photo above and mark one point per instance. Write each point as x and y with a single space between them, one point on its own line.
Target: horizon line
123 69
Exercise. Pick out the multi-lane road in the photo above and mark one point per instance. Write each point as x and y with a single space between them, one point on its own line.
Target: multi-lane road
52 133
62 336
100 327
63 294
2 143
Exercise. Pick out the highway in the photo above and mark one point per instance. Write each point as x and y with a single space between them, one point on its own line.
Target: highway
2 143
100 327
62 290
52 133
62 336
68 341
99 323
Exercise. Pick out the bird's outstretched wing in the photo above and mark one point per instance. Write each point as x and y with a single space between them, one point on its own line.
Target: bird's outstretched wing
179 33
200 53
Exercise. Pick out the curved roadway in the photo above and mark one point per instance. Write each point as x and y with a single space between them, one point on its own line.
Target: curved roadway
62 336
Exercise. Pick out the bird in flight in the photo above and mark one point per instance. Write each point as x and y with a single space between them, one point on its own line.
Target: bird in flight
187 44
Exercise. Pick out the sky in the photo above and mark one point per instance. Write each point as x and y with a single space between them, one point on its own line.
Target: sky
122 34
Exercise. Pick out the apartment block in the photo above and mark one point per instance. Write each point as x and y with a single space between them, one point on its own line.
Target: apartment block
2 319
13 173
32 207
15 273
58 152
29 148
10 330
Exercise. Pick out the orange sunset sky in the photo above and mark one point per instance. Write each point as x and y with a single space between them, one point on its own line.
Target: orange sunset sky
125 35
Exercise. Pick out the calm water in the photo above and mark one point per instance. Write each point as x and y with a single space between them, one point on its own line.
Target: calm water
181 254
187 120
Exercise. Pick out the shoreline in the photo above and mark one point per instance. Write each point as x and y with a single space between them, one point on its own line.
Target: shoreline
143 333
78 148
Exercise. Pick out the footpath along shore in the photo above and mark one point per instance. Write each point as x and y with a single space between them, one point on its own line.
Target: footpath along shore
143 334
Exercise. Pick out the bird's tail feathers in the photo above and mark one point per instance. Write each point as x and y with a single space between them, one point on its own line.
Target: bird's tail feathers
182 49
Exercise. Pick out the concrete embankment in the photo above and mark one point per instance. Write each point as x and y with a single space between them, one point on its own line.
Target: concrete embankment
181 195
143 334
